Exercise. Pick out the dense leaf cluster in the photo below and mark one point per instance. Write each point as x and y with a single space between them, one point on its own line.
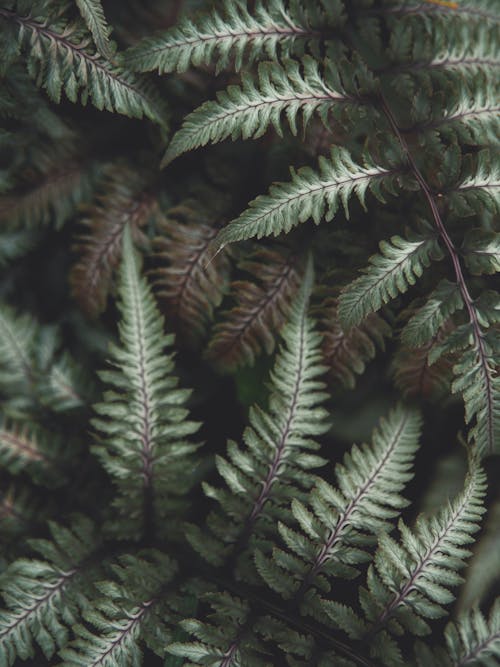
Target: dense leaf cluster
301 196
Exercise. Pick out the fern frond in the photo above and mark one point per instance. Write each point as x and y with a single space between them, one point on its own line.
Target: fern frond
65 386
479 189
225 640
337 522
143 419
295 90
308 195
34 591
93 15
347 352
477 379
262 307
33 371
132 610
125 201
473 640
58 58
392 272
190 285
277 444
17 339
235 35
411 580
481 250
424 325
473 117
26 448
421 57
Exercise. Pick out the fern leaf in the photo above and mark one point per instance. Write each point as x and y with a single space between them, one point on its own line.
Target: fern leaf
60 61
277 441
226 640
411 581
190 285
248 111
25 448
124 201
33 372
235 35
65 385
470 640
143 418
422 59
347 352
17 339
336 522
93 15
474 116
34 590
481 251
423 327
132 609
262 309
477 379
398 266
479 189
473 640
308 195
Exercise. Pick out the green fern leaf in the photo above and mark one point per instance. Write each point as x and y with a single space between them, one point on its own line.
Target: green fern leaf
479 188
236 35
277 441
474 116
424 325
398 266
133 608
248 111
337 522
476 378
34 592
143 417
410 581
59 62
93 15
18 372
32 371
308 195
474 641
26 448
481 251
